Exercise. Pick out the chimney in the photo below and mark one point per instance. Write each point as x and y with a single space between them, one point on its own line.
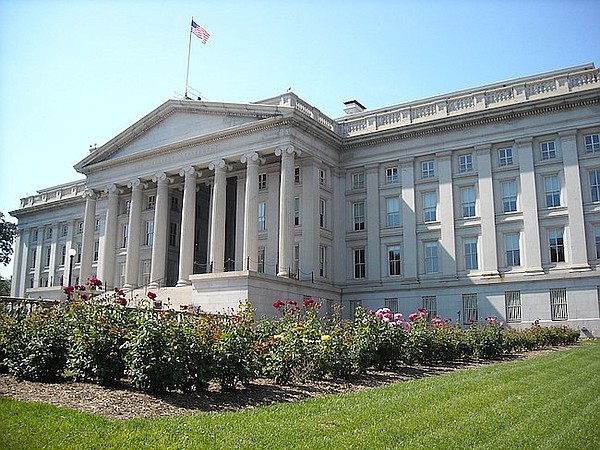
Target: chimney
353 106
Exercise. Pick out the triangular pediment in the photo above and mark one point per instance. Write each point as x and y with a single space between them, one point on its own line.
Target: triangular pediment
177 121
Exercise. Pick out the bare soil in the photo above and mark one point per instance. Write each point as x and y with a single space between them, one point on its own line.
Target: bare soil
123 402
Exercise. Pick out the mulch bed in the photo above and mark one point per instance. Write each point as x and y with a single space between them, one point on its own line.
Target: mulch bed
123 402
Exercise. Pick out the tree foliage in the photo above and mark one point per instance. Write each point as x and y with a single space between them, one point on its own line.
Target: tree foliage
8 230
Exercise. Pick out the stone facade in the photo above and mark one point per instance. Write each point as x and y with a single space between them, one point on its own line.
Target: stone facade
475 203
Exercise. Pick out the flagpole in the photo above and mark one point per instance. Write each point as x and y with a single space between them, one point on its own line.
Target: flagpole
187 70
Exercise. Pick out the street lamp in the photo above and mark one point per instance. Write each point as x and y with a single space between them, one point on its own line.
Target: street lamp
72 253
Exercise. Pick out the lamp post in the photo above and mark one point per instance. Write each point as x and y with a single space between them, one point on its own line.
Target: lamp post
72 253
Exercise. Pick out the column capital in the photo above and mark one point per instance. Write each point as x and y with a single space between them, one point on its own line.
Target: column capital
444 154
113 189
252 158
219 164
161 177
89 193
190 171
287 150
135 184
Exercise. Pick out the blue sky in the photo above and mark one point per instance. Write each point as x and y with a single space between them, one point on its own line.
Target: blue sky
78 72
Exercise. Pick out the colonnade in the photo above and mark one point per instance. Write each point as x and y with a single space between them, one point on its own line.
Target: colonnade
190 174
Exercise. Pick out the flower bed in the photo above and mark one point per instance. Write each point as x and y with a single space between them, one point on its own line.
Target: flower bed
100 339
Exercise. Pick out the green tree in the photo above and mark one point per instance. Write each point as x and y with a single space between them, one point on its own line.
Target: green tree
8 231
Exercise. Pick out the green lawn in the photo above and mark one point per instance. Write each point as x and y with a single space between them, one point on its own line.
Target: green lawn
551 401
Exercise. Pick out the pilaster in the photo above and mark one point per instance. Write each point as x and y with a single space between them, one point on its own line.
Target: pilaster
576 229
409 220
528 203
446 206
373 250
487 243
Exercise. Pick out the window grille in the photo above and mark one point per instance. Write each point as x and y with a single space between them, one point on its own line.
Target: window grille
430 304
558 304
512 300
470 308
391 304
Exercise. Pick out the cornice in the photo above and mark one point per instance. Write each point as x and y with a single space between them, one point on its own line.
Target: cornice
464 121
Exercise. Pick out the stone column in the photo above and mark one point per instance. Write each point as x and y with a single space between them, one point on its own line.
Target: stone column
39 249
286 210
446 201
188 226
532 254
576 229
87 241
19 279
161 224
106 268
373 250
217 228
409 221
250 254
69 270
487 243
53 256
132 262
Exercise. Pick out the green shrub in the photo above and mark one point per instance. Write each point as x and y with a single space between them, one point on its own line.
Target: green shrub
7 327
97 341
38 350
157 355
234 356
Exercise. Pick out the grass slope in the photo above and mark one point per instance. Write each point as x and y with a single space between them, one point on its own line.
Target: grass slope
551 401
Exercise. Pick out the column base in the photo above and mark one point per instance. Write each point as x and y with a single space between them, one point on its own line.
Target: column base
534 271
182 283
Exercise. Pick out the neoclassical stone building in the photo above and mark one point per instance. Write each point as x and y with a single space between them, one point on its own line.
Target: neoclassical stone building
474 203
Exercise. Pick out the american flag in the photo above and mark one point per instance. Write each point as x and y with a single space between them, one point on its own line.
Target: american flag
200 32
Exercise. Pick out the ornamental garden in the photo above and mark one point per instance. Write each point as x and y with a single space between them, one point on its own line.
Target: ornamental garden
102 338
